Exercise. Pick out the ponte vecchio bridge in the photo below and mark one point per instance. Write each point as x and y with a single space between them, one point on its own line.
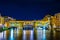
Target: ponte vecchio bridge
21 24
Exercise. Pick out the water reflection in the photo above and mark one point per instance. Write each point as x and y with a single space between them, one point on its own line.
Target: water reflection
39 34
1 36
28 35
31 35
42 34
24 34
11 35
4 35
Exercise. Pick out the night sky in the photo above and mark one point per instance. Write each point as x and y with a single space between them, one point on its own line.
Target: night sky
29 9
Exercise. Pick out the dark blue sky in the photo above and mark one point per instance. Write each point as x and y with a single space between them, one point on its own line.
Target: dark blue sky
29 9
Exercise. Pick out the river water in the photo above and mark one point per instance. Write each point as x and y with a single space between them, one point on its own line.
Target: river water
39 34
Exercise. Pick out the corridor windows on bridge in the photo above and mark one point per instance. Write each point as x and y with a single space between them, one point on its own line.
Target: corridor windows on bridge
38 24
17 24
12 24
28 27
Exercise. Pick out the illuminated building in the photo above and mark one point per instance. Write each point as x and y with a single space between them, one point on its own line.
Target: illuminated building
57 16
1 20
51 20
48 21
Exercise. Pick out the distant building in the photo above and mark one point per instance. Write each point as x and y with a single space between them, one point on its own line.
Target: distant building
1 19
50 21
6 18
57 16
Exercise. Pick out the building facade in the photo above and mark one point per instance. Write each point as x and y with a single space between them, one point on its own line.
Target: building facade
57 16
47 20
